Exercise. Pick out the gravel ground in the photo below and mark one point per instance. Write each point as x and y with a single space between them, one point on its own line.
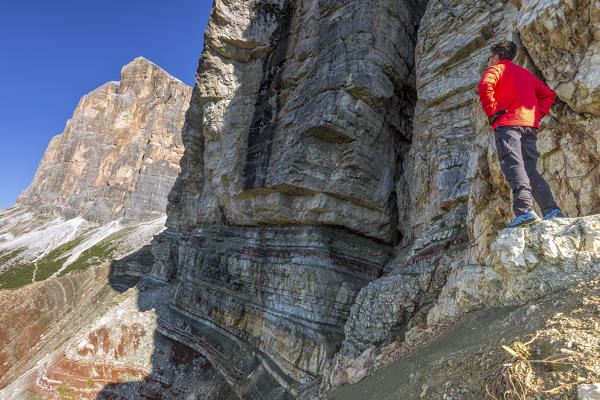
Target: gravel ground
559 341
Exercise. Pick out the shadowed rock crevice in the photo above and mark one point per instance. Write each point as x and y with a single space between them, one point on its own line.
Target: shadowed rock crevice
266 114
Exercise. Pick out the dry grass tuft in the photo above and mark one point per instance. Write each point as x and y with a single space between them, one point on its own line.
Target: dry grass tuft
513 378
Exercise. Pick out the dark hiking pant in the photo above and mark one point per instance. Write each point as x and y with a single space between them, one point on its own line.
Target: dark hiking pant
518 158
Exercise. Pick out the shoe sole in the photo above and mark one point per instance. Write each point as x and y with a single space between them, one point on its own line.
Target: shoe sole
527 223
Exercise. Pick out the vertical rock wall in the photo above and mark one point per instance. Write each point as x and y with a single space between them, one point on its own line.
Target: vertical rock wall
287 204
301 115
453 43
454 40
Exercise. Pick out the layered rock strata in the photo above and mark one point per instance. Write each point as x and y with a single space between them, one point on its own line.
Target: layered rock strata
119 154
287 291
448 116
304 168
389 306
287 203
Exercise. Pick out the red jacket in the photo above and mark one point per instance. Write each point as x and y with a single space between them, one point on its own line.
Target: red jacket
506 86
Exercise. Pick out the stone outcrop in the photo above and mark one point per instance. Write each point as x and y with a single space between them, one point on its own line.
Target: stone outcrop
467 362
524 264
389 306
119 154
253 141
453 42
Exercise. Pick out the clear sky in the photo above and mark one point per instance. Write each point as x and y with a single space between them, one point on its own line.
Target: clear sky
54 52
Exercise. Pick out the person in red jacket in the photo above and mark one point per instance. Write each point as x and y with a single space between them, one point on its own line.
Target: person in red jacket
514 101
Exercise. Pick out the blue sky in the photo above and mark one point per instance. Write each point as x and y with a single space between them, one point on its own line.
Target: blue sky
54 52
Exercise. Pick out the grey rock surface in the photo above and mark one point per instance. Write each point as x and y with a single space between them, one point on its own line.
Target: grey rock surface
285 290
389 306
523 264
287 204
453 43
301 115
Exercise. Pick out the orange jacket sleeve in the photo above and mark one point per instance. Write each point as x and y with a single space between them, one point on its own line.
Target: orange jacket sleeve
487 89
545 97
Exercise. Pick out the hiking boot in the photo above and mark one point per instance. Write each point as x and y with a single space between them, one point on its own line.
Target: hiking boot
554 213
524 220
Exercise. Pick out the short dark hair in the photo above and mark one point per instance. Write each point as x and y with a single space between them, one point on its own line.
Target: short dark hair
505 50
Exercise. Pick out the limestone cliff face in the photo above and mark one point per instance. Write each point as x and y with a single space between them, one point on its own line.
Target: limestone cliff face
455 165
335 113
288 95
287 202
322 118
119 154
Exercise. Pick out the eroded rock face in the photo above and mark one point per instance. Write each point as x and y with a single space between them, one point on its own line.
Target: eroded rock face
287 203
280 136
119 155
289 301
389 306
454 39
453 42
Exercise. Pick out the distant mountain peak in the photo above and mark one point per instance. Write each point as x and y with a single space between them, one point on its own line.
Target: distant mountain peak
119 154
141 69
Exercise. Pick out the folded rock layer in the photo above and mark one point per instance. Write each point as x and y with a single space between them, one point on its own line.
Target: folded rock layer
286 205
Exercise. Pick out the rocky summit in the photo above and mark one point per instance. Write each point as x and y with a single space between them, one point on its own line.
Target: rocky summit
119 154
339 205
